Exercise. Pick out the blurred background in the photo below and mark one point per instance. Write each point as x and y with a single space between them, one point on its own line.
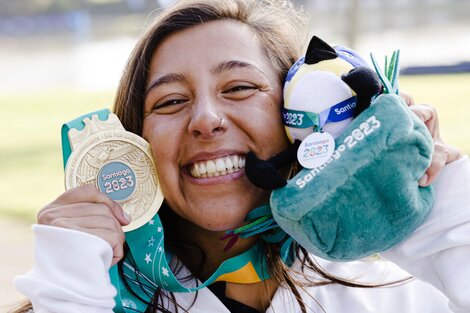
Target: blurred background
63 58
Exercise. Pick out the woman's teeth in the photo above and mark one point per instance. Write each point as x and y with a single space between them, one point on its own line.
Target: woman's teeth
217 167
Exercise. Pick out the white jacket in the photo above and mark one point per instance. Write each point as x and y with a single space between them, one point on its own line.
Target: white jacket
70 273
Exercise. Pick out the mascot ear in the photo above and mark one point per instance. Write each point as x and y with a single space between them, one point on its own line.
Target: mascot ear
365 83
318 51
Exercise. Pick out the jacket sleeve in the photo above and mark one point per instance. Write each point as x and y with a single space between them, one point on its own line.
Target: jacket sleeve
70 273
438 252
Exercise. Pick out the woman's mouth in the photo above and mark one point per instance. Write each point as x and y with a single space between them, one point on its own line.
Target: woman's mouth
217 167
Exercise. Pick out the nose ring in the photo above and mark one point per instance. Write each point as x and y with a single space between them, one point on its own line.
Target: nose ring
222 122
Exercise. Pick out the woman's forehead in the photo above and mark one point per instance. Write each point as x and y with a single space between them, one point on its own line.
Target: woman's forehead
212 42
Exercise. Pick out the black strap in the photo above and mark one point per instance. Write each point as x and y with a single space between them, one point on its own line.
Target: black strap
233 306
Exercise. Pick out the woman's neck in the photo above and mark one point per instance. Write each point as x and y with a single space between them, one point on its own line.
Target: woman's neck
205 251
204 254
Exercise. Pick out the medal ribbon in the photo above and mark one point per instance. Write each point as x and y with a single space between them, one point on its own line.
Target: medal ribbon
146 267
304 119
79 125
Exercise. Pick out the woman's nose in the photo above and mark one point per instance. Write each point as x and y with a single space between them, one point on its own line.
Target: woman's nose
207 120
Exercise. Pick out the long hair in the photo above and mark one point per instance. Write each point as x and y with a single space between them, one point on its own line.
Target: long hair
24 306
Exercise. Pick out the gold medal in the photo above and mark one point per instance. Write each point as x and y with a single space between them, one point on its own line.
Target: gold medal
119 163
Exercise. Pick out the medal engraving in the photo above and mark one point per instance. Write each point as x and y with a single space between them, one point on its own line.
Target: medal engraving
119 164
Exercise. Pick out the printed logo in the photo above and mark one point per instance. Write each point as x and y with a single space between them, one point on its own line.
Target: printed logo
316 149
117 180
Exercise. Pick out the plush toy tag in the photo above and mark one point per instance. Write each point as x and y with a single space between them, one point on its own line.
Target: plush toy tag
316 149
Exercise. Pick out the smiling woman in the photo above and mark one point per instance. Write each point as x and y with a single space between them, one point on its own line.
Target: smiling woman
204 87
233 81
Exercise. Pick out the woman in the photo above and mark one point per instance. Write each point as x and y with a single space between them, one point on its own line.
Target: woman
204 87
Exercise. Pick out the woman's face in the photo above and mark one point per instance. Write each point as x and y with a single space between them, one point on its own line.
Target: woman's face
198 76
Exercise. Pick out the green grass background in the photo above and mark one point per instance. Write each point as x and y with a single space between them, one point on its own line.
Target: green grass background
31 173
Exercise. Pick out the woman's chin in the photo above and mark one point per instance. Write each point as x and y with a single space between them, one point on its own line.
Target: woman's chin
220 209
223 222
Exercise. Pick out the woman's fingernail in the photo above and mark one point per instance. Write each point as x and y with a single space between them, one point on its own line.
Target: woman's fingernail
423 180
127 217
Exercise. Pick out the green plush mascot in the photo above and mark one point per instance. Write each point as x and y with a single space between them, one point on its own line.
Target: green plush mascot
363 152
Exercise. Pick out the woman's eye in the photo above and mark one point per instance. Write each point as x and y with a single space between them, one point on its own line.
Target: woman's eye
169 106
240 91
239 88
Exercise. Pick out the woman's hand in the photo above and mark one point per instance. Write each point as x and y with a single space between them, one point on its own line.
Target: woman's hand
86 209
443 153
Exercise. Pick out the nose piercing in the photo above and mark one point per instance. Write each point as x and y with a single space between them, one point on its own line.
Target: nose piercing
222 121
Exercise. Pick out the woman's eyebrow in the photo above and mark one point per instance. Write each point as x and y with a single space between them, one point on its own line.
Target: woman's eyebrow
228 65
165 79
219 68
